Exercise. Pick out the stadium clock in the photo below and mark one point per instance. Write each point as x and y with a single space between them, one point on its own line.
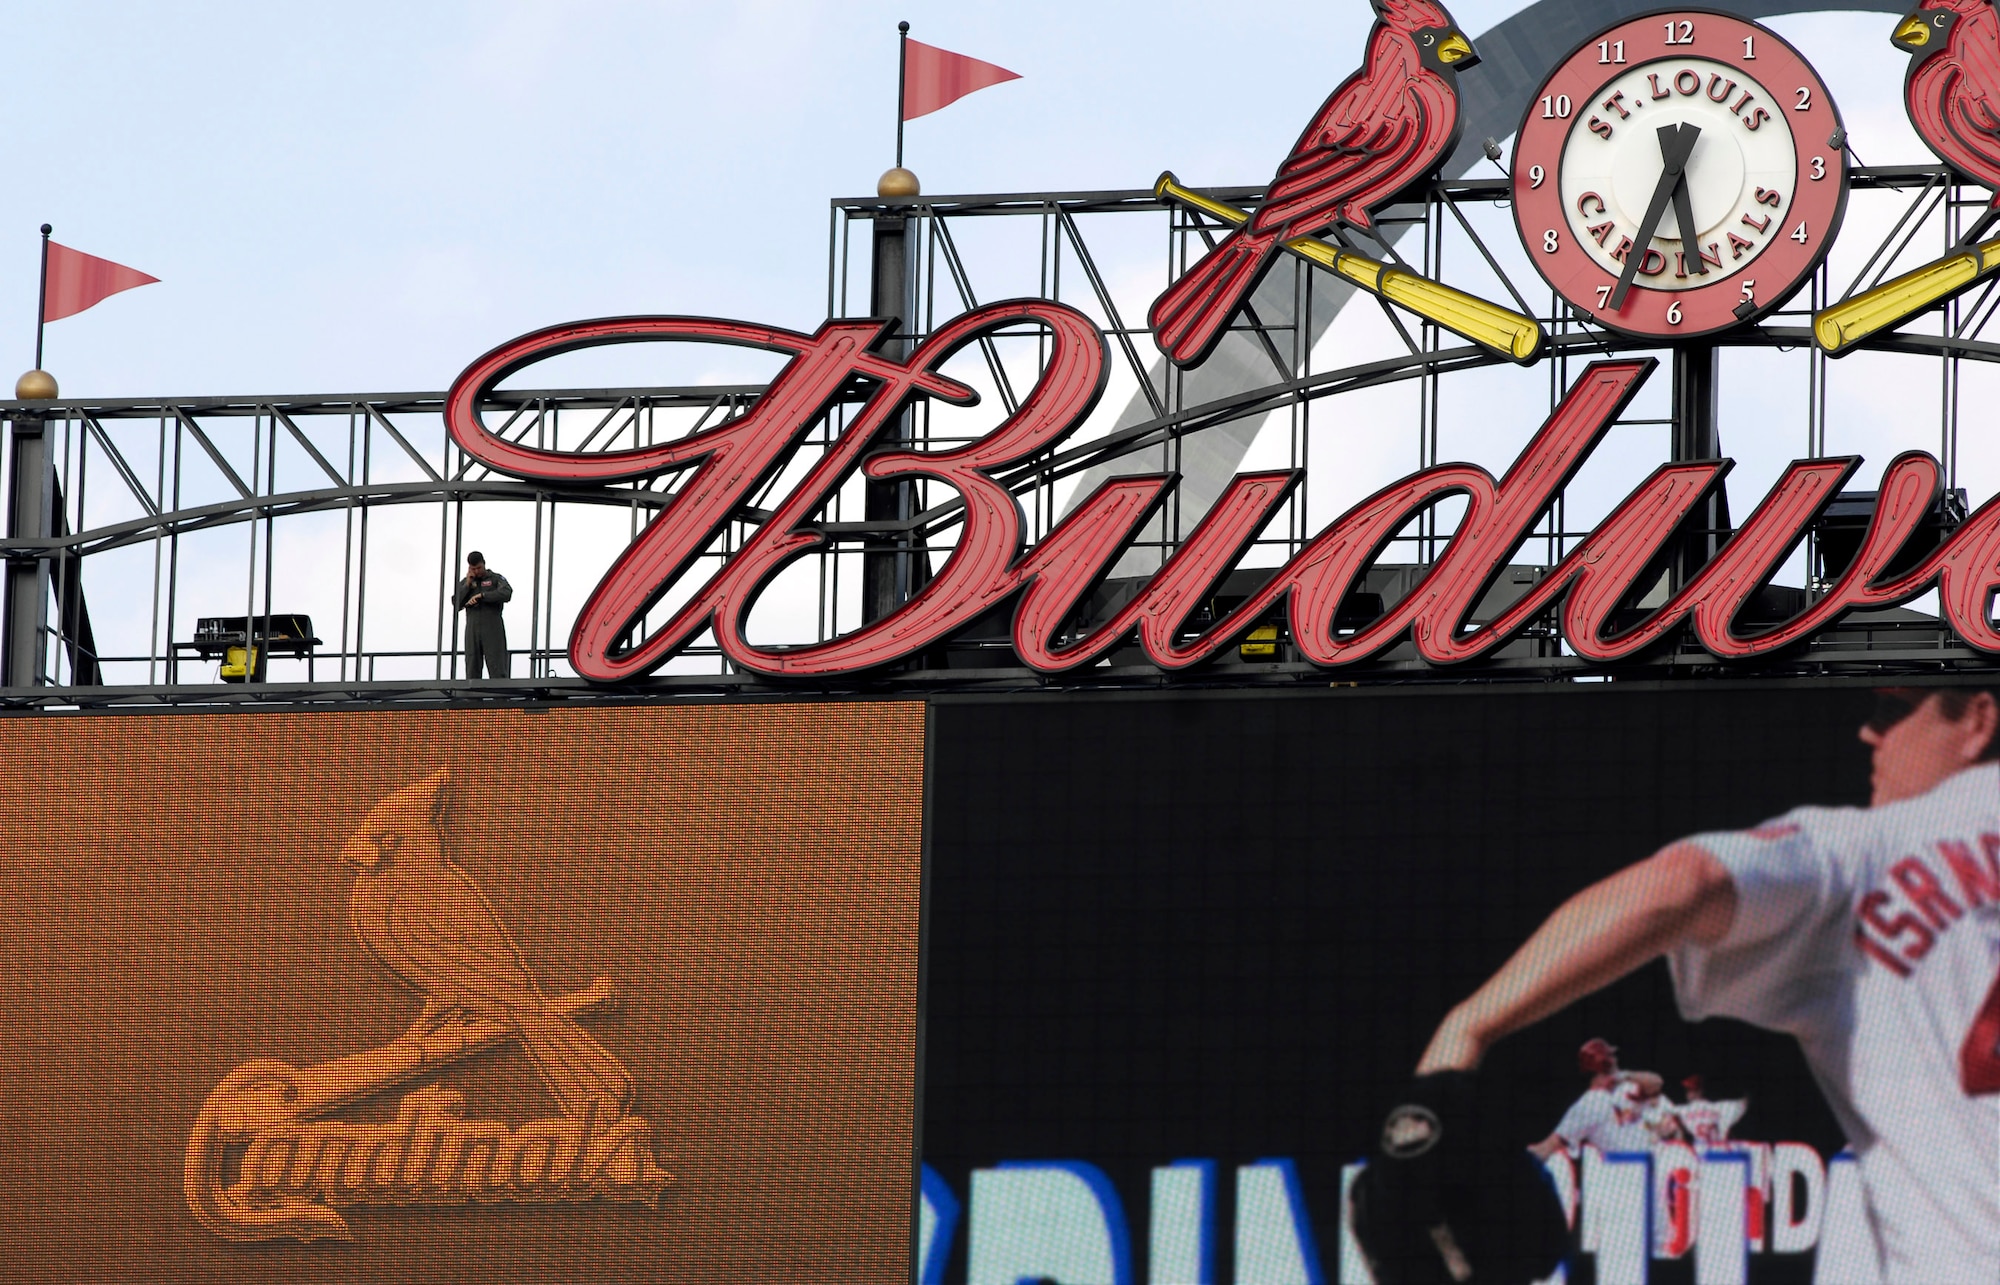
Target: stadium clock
1678 118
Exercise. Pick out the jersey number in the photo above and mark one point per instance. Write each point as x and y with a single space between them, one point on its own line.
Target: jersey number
1979 1056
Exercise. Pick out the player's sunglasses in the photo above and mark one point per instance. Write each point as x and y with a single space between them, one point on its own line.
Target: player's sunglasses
1893 705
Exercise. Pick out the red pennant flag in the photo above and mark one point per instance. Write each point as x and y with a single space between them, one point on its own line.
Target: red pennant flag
934 78
77 281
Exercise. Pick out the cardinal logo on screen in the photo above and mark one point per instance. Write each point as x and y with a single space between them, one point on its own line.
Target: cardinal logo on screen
265 1160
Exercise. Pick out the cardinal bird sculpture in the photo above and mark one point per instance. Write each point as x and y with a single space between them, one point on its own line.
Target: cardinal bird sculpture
1385 127
1953 82
419 914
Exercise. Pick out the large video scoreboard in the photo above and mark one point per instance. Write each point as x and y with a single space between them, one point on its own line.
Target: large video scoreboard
1080 988
514 994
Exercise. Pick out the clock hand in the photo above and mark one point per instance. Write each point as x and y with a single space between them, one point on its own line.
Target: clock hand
1676 144
1684 215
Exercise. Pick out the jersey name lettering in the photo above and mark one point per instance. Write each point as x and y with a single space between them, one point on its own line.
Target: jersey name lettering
1899 921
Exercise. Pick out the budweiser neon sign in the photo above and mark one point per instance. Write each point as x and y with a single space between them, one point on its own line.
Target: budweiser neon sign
727 464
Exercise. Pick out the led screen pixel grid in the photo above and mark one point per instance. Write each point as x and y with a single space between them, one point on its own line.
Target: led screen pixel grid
702 919
1188 948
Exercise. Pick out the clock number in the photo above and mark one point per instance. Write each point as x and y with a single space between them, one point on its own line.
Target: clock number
1536 176
1674 313
1610 51
1819 168
1604 296
1685 32
1556 108
1805 100
1749 290
1799 232
1550 241
1749 49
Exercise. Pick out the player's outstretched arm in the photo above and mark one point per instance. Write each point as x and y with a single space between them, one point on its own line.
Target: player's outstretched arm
1650 1082
1680 894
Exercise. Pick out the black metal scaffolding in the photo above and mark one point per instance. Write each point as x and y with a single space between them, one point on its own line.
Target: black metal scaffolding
128 519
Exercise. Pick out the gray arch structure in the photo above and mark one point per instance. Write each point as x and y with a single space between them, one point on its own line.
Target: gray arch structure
1515 57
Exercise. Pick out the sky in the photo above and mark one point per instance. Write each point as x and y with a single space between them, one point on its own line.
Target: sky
363 198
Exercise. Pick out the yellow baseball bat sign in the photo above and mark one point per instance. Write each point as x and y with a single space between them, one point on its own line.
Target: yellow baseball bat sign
1839 328
1501 331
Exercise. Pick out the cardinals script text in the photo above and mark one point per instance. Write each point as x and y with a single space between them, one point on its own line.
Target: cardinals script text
291 1176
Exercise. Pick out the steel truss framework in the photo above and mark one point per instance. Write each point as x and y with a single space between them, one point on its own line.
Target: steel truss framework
143 502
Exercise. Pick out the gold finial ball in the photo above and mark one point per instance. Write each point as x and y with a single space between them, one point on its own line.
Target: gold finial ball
35 386
897 184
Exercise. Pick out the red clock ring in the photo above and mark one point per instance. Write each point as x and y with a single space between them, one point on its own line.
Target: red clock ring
1817 203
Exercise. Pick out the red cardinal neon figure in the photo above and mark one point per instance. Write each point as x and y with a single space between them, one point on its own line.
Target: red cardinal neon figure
425 920
1953 82
1385 127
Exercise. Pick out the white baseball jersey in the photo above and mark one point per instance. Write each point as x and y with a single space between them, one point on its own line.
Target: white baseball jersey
1612 1119
1708 1123
1873 936
1658 1111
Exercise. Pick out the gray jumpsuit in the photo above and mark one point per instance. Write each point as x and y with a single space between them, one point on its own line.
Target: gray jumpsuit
485 631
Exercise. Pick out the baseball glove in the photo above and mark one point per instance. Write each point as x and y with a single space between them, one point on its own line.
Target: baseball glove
1437 1205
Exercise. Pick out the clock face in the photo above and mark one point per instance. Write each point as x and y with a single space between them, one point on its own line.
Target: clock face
1682 115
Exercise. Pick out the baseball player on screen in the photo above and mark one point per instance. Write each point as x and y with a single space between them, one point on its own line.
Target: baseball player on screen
1615 1113
1870 935
1705 1121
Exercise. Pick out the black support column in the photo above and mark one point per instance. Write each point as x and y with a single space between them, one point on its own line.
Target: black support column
1695 437
30 516
893 567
